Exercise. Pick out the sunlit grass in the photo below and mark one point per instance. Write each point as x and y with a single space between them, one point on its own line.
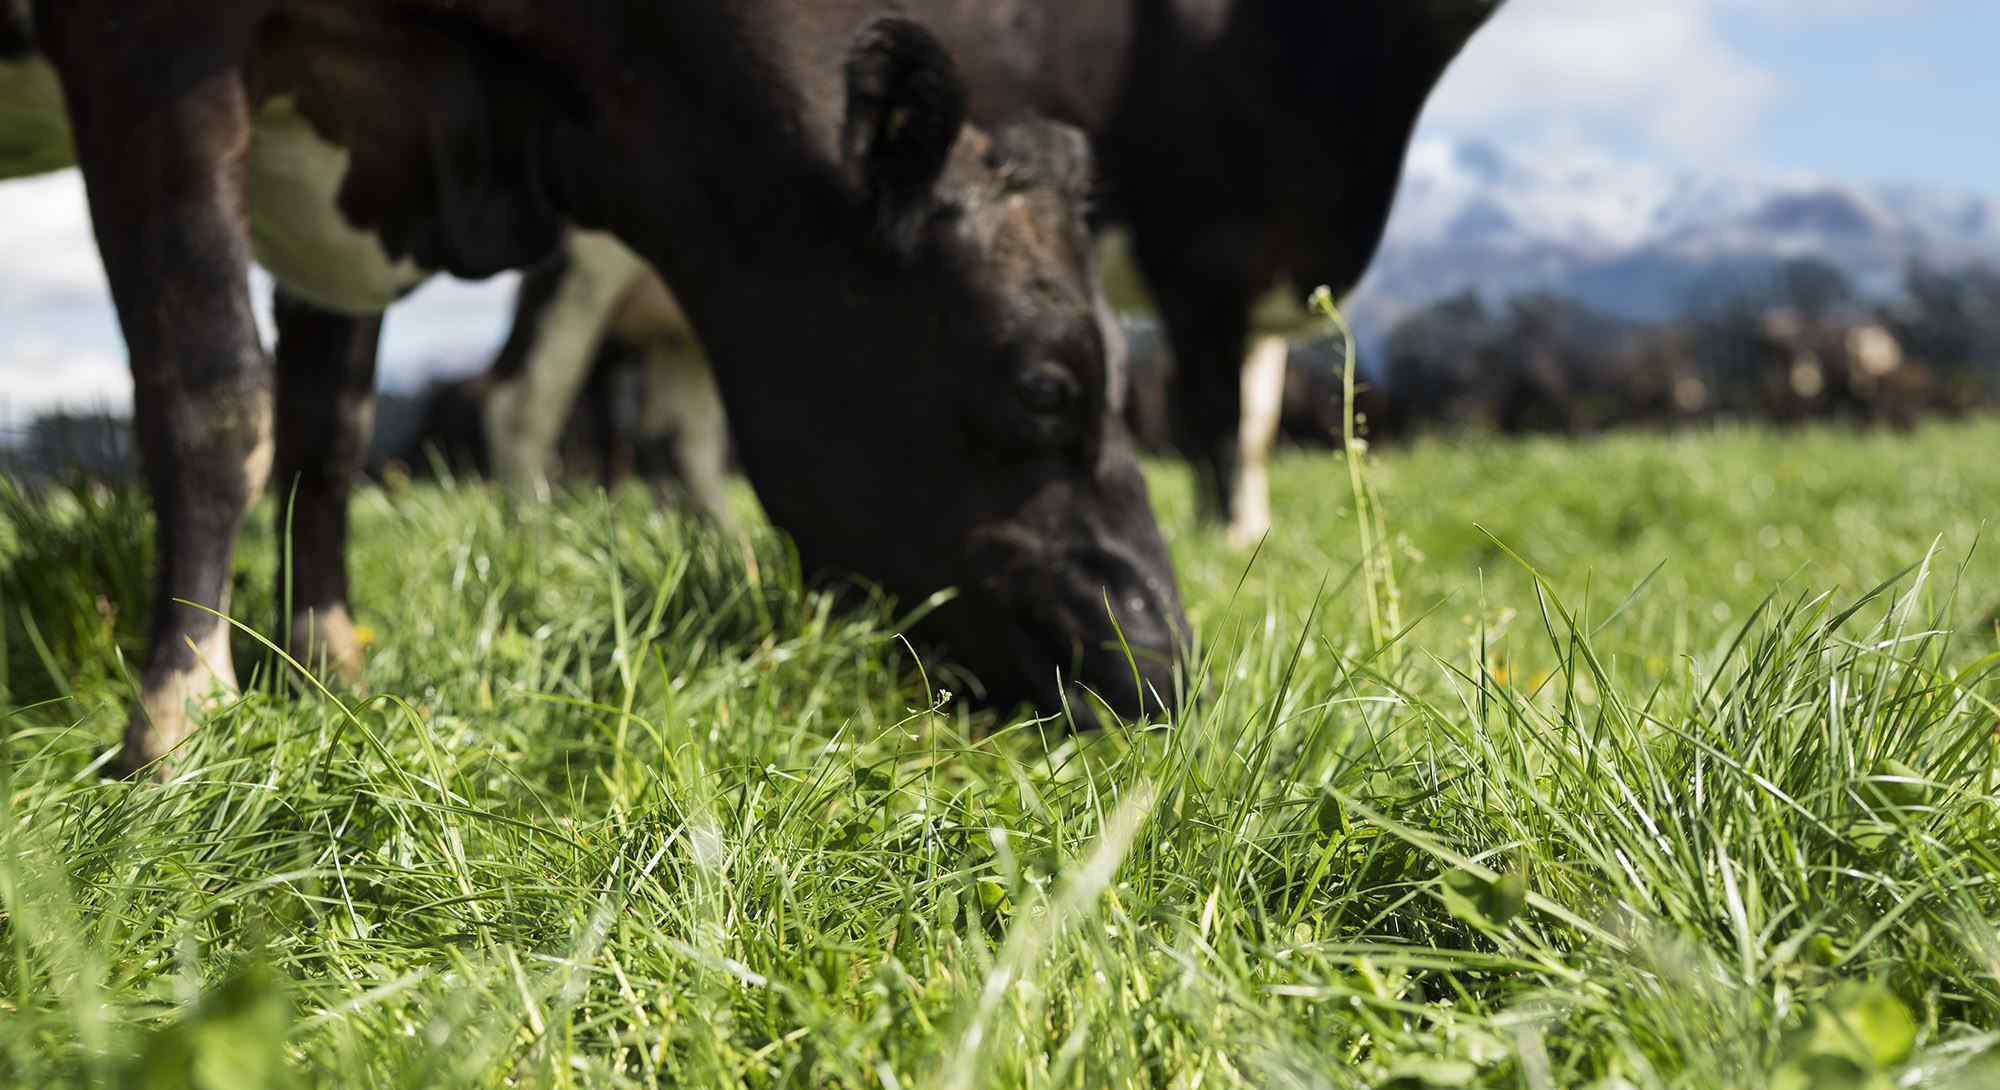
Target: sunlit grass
1683 775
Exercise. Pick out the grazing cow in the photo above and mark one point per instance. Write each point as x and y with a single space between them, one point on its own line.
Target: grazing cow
1813 366
1247 145
901 308
1541 364
1666 384
662 398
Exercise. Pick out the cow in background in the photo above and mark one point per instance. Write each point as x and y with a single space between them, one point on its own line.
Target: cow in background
1850 367
1541 364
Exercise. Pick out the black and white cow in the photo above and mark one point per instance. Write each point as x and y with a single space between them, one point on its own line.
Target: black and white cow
1248 146
901 308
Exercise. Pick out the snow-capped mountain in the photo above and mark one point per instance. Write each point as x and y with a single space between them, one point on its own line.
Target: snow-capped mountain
1639 240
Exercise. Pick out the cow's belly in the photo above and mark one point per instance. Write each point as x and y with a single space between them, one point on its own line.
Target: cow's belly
34 133
297 230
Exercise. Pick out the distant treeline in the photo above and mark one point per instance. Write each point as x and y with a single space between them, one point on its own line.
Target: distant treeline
1796 344
96 444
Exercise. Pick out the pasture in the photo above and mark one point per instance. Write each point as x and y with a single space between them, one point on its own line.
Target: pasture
1640 762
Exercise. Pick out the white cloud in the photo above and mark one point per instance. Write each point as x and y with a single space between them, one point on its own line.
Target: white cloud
44 375
59 340
1590 199
45 241
1660 74
1803 11
1660 77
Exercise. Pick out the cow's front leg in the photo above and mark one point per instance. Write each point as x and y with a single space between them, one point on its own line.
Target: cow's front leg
326 409
162 155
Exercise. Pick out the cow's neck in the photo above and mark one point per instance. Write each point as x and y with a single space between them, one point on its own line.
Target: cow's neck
738 135
718 134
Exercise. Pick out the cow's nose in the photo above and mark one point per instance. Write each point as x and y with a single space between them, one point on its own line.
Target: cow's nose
1129 634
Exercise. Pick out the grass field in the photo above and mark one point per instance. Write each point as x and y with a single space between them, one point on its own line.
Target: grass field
1673 765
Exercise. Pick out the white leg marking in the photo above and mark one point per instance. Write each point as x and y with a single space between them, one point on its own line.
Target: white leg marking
165 715
1263 400
524 416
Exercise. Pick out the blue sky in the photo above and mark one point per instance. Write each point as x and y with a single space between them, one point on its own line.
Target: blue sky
1913 93
1851 90
1858 90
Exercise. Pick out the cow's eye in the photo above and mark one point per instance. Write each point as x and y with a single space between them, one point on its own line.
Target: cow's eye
1049 390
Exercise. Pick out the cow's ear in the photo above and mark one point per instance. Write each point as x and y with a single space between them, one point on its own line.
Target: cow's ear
905 106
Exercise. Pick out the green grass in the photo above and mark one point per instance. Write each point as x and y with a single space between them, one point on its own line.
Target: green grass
1682 774
34 137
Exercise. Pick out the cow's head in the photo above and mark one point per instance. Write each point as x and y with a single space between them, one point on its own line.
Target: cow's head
952 418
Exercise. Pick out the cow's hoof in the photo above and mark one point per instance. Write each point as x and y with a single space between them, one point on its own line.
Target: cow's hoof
163 720
168 699
139 758
330 646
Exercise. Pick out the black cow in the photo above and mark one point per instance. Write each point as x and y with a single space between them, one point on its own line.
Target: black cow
901 309
1248 145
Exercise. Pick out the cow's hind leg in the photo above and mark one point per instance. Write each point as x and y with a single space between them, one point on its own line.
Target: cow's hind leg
161 127
549 353
326 408
683 402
